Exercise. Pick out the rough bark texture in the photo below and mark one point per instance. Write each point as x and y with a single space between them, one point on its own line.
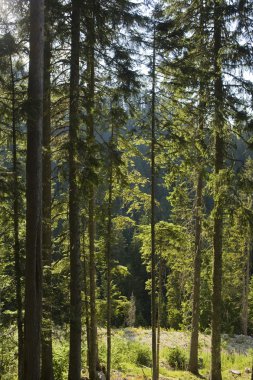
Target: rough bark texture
152 222
92 262
159 310
92 271
74 222
246 281
108 262
33 279
86 296
218 210
47 372
16 233
193 360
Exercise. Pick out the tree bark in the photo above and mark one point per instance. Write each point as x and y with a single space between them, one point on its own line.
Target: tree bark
108 260
16 232
246 281
47 372
86 297
159 309
91 225
33 279
218 207
152 222
74 215
193 361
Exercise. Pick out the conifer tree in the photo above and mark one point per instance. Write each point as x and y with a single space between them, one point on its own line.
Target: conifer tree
91 39
16 207
218 207
46 346
109 256
193 359
74 216
155 375
33 274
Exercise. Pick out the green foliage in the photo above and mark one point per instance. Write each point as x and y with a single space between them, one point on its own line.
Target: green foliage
176 358
60 359
182 150
8 353
143 357
131 317
126 353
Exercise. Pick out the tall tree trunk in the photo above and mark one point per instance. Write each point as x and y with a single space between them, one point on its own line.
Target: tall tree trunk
246 280
90 124
193 360
108 260
46 342
159 309
92 271
86 297
33 279
74 222
218 207
152 222
16 232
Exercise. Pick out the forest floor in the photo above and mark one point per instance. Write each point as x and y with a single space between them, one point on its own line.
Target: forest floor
237 354
131 354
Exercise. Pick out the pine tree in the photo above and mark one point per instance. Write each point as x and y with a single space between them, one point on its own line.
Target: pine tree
218 207
33 274
16 206
91 39
155 375
46 346
109 257
193 360
74 216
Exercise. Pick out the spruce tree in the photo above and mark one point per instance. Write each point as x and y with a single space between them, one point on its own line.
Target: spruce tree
47 372
33 274
74 216
218 207
16 225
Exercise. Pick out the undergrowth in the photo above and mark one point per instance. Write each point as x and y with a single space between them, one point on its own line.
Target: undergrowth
131 356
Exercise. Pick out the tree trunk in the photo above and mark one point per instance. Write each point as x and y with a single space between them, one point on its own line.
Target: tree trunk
218 207
108 261
159 309
193 360
74 222
16 232
152 222
90 124
92 270
246 281
33 279
86 297
46 346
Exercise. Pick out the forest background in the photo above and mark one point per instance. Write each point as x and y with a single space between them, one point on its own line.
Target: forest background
126 177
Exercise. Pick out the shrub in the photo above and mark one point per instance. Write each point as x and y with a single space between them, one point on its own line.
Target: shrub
60 361
177 358
143 356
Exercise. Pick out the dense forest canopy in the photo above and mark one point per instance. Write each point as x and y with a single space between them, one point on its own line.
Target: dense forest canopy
126 182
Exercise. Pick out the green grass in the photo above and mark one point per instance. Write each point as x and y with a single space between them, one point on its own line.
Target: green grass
131 356
125 353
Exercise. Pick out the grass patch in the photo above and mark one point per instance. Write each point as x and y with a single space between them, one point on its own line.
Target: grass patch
131 356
